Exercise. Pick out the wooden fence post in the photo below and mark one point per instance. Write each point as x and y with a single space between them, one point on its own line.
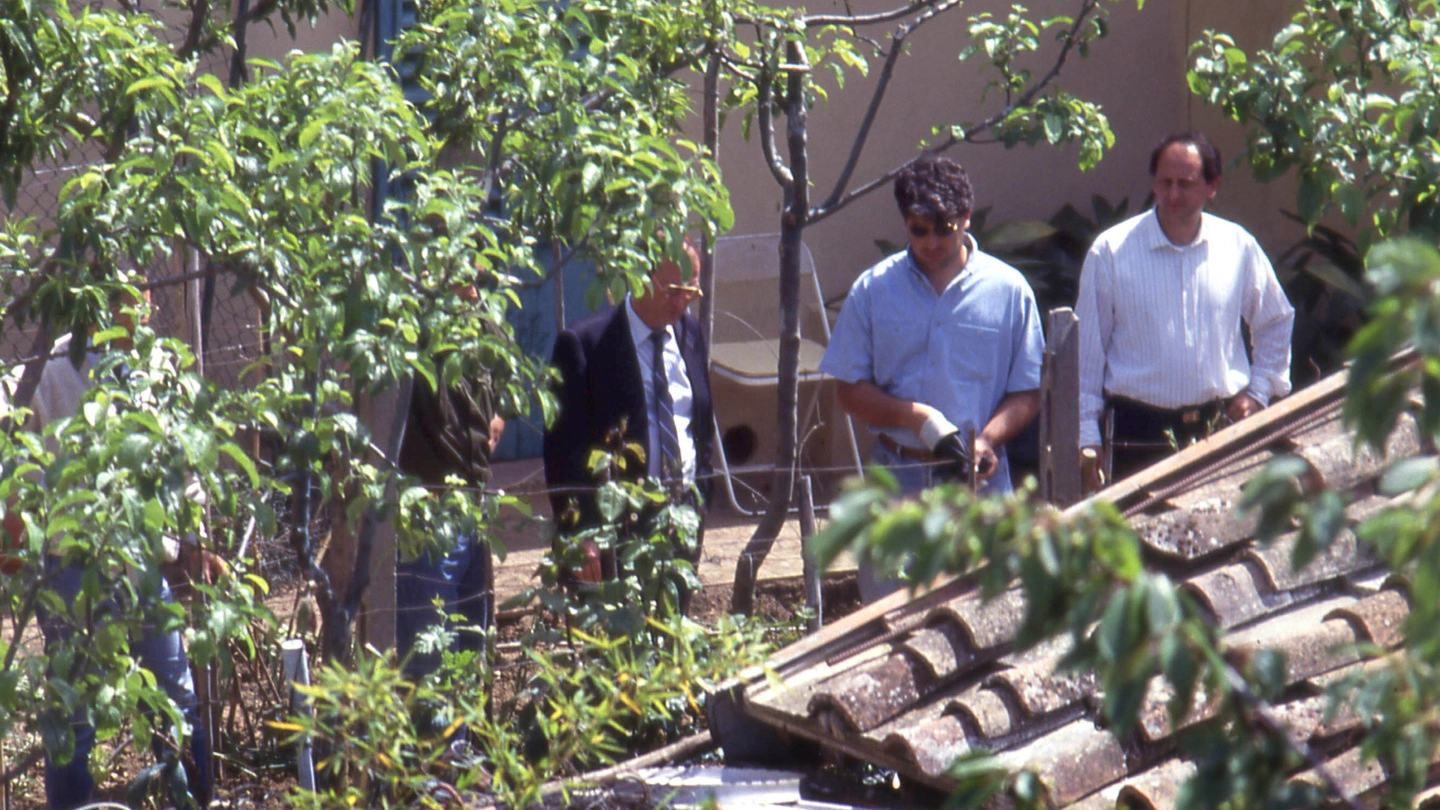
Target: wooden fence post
1060 482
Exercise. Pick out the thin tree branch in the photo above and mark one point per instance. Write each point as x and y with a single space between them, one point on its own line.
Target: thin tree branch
882 85
710 137
1265 719
792 229
199 13
869 19
766 122
972 134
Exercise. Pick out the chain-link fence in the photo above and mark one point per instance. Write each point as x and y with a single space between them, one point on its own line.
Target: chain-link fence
223 330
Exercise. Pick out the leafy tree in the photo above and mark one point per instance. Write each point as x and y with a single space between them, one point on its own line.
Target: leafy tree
773 59
1346 97
268 183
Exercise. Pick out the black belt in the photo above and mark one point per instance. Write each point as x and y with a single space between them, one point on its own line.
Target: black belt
1137 423
904 451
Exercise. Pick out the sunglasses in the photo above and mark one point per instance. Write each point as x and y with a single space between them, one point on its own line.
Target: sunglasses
941 229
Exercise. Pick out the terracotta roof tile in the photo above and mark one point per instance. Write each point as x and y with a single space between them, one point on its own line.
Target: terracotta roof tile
1325 648
1341 466
1349 770
1305 719
1039 690
1198 531
1231 594
1343 557
1158 787
1311 644
931 738
1155 710
1105 798
984 712
987 626
1379 618
872 694
942 649
1072 761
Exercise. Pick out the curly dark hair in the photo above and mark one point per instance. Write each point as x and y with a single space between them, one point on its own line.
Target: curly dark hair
1210 165
937 189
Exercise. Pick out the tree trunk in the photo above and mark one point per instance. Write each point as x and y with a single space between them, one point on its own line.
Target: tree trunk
792 230
711 138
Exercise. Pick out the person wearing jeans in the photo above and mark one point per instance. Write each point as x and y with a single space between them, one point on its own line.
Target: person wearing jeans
161 652
464 580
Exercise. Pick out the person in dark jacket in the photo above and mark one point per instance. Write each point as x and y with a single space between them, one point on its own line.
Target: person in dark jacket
612 364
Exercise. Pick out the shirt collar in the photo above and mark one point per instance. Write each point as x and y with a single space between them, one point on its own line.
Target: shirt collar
640 332
971 248
1155 235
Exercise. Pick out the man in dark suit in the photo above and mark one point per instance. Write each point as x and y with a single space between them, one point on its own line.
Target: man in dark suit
607 363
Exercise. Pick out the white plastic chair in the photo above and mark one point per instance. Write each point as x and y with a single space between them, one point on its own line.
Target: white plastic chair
745 345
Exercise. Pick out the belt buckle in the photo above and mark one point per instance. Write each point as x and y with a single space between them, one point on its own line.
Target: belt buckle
1190 416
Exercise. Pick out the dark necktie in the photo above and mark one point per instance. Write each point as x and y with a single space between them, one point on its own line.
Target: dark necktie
669 448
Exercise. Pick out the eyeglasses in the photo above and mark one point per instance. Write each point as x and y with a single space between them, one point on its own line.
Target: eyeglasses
684 289
944 228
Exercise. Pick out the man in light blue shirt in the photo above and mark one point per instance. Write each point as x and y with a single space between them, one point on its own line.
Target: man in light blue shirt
938 343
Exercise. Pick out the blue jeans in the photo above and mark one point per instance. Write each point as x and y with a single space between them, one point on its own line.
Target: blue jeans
464 579
163 654
913 478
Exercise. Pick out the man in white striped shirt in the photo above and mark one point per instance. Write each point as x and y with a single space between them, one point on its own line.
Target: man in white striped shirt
1162 298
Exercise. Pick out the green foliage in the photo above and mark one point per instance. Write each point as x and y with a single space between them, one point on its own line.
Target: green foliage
573 112
650 531
103 490
1346 96
1051 253
369 724
580 705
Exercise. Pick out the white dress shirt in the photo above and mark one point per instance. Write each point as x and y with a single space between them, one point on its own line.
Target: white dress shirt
681 394
1160 323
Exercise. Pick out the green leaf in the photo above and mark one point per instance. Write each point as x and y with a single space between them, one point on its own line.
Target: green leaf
243 461
1408 475
147 83
590 176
